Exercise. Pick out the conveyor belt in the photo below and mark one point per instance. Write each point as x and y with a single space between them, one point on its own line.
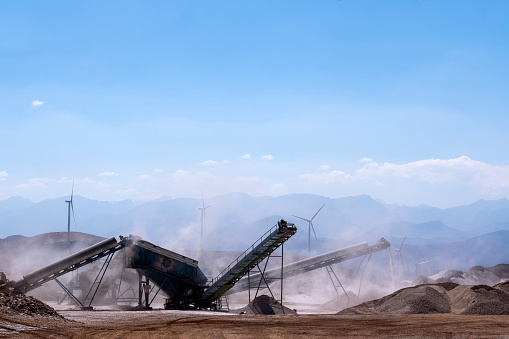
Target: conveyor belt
68 264
260 250
313 263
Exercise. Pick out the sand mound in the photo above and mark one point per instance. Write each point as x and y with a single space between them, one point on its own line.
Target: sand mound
265 305
19 304
479 275
446 276
476 275
463 297
503 286
439 298
488 308
415 300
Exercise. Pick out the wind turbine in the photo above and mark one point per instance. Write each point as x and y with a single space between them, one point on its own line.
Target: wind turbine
311 227
400 256
202 209
419 264
69 207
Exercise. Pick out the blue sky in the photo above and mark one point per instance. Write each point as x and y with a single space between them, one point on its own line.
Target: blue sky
403 100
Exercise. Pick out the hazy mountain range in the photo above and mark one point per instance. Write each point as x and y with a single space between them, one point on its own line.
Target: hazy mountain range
462 236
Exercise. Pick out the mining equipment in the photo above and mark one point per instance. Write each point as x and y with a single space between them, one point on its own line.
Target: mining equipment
179 277
310 264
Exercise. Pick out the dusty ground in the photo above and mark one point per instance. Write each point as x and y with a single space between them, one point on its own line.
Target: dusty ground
190 324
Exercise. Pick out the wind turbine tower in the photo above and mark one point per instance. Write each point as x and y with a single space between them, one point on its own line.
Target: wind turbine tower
400 257
310 227
202 209
70 207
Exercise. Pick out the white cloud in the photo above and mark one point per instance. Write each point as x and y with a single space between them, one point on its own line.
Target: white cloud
246 156
328 177
34 183
461 170
267 157
3 175
37 102
208 162
144 177
108 174
181 174
366 159
324 167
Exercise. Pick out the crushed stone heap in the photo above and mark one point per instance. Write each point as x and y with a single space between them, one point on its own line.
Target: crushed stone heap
476 275
20 304
265 305
439 298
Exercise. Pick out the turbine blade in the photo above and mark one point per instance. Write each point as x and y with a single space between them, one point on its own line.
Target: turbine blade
301 218
72 190
317 212
313 228
402 243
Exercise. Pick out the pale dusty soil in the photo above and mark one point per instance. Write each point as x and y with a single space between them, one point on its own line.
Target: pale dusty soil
190 324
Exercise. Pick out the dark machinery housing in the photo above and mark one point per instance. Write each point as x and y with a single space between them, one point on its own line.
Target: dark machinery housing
179 277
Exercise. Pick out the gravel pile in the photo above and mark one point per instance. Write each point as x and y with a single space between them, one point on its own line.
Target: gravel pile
265 305
488 308
476 275
20 304
439 298
503 286
464 297
415 300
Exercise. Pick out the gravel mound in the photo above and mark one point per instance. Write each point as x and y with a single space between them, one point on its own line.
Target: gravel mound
503 286
488 308
265 305
476 275
464 297
479 275
20 304
446 276
439 298
415 300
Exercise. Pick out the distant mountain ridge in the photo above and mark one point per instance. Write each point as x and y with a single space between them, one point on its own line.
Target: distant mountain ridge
177 221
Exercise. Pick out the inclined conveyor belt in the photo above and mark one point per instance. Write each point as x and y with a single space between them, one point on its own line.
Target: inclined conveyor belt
68 264
313 263
260 250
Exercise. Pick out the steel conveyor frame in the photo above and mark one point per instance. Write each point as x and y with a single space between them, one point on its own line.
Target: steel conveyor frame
68 264
260 250
314 263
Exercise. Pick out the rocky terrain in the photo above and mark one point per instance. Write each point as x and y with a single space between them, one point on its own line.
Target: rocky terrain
20 304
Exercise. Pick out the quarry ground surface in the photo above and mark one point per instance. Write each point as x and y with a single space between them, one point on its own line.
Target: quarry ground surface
192 324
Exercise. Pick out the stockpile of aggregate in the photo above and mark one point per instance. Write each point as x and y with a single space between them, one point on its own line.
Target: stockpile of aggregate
476 275
20 304
265 305
440 298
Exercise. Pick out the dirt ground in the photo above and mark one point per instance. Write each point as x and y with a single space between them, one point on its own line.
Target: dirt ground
193 324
